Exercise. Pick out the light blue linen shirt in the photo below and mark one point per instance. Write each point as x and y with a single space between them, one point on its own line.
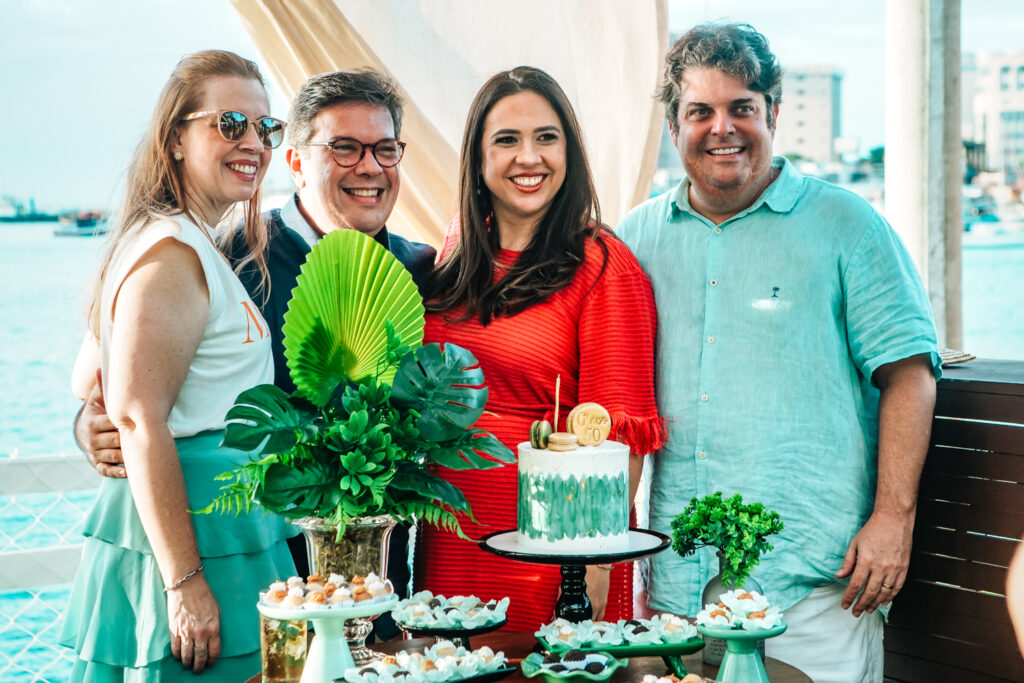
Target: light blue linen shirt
770 326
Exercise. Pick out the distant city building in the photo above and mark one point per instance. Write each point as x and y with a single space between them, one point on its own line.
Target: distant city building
968 86
809 117
998 111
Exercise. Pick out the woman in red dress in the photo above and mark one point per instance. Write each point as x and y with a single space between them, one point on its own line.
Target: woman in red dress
533 284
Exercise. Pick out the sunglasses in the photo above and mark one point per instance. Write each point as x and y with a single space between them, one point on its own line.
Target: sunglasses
233 126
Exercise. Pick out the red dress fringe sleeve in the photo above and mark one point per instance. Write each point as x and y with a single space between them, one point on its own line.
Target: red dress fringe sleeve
617 330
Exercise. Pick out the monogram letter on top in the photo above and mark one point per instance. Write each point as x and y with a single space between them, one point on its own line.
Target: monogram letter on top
252 318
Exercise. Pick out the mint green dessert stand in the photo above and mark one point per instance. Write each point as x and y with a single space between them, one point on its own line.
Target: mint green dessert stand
329 655
741 663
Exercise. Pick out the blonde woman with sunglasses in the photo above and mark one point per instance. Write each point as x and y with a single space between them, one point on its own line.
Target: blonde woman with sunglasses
163 593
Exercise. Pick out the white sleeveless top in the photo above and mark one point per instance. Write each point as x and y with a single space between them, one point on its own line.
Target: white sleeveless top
234 354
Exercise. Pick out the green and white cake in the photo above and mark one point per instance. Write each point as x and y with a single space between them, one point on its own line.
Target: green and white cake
574 502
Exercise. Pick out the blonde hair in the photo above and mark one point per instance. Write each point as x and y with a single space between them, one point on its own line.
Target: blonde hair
154 183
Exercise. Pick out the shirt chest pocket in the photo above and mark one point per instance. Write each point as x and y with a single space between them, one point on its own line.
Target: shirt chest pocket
784 303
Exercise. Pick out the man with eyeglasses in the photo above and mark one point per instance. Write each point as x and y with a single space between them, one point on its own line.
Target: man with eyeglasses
343 153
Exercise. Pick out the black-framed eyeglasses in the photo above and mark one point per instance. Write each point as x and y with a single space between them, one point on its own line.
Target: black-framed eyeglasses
233 125
348 152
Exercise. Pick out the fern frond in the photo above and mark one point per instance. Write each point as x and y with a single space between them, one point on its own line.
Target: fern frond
236 498
432 514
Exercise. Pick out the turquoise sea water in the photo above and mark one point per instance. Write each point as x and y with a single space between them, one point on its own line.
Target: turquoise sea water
993 299
43 280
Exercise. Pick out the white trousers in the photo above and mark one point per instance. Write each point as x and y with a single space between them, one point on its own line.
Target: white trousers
827 642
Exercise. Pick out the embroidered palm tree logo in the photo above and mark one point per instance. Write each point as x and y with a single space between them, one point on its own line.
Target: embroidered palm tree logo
775 292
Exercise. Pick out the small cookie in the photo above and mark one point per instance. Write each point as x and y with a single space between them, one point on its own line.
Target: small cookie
590 422
562 441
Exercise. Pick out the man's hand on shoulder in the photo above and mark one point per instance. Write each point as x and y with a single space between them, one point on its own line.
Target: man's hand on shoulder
97 436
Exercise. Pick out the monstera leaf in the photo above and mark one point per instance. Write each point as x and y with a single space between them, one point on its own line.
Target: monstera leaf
294 492
265 411
444 386
336 328
464 453
415 479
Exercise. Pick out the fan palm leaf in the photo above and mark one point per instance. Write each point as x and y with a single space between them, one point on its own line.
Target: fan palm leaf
335 329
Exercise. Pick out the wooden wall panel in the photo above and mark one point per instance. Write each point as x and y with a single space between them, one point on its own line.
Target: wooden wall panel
950 621
918 594
962 462
967 546
917 657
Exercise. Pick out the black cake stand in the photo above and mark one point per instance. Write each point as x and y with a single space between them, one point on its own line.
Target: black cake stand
573 604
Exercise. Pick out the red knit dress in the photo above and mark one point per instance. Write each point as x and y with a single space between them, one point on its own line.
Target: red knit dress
598 334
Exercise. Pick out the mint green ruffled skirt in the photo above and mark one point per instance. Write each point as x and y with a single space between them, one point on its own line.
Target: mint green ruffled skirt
117 613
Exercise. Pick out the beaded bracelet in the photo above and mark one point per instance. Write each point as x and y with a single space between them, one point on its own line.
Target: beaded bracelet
177 584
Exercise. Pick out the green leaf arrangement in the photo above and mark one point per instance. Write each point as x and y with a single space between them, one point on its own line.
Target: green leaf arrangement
347 443
738 531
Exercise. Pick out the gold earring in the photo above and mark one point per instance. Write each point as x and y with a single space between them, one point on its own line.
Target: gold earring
178 156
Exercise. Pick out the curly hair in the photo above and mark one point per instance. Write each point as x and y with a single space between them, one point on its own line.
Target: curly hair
737 50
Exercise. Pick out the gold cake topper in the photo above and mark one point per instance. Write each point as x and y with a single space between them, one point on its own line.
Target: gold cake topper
588 424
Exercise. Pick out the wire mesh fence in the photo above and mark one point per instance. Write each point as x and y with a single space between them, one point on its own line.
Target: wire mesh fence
41 512
29 627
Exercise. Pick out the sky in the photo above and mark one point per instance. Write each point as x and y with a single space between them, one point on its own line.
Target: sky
79 77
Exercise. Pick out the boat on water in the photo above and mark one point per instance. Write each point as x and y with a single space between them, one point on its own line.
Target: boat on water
81 224
13 211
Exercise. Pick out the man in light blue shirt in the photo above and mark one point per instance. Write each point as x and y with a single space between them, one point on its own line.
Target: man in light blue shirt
797 361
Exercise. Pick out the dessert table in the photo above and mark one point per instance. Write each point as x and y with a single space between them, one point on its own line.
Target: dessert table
517 645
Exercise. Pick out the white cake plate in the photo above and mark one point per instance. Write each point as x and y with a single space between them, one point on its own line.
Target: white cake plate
328 656
641 542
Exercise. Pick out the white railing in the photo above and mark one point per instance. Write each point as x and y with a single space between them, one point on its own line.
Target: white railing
43 501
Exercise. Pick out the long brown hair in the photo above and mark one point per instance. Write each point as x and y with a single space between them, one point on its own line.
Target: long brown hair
154 183
556 250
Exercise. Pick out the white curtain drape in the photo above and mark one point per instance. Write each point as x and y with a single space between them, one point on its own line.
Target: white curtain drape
606 54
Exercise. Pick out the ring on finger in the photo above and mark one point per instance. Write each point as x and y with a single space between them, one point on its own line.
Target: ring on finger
200 651
887 586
